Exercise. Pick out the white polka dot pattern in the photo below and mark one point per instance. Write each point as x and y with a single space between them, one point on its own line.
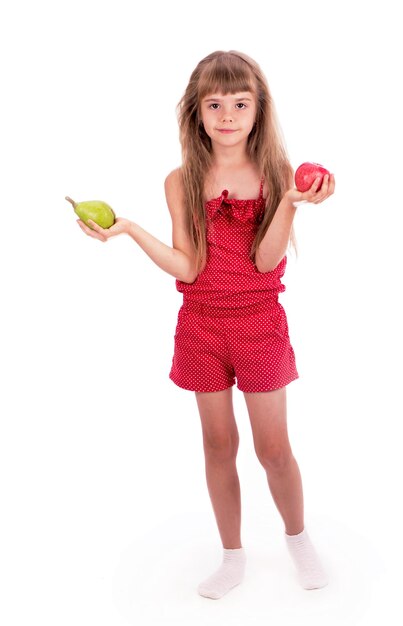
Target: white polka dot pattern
231 325
230 279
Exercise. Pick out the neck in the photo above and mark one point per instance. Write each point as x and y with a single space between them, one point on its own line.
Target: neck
231 157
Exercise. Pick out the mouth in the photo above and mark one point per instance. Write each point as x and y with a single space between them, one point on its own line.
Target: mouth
226 130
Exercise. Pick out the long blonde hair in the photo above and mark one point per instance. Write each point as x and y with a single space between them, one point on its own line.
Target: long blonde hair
229 72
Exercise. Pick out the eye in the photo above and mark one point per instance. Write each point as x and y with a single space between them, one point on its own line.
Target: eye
241 105
214 106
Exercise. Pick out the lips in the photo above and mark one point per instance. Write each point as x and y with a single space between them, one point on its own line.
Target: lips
226 130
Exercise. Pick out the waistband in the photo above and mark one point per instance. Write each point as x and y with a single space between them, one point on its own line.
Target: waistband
211 310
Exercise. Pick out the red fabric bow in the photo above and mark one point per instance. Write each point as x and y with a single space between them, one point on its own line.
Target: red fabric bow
242 210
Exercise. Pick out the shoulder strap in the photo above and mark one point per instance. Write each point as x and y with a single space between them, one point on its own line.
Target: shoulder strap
261 187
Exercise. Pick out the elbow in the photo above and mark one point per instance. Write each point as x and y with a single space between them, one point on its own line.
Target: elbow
268 266
265 270
185 268
189 278
264 266
192 271
189 274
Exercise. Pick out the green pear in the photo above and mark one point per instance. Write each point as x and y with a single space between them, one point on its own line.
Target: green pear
95 210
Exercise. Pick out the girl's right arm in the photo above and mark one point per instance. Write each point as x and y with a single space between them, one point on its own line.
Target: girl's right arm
178 260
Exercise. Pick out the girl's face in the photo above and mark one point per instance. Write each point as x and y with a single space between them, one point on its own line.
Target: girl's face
228 119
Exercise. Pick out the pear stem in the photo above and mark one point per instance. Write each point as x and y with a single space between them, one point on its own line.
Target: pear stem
71 202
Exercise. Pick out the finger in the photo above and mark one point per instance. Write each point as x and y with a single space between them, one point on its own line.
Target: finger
96 227
328 189
91 233
332 184
315 184
325 189
312 194
95 230
325 184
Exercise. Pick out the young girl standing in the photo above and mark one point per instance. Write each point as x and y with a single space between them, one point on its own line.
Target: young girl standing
232 204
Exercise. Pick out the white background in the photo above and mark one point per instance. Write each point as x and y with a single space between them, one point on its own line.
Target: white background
105 516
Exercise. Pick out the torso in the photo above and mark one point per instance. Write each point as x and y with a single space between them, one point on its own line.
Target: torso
229 279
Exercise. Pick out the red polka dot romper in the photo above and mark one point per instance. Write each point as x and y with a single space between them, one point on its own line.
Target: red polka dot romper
231 326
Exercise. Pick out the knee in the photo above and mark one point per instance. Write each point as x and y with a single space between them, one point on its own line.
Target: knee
221 447
275 458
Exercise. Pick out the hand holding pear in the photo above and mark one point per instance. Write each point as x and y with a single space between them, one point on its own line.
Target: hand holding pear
94 210
98 220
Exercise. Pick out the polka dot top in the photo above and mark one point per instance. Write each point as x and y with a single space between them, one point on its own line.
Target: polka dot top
230 278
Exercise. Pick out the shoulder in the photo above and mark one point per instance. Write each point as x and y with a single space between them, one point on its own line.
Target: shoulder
173 176
175 197
174 186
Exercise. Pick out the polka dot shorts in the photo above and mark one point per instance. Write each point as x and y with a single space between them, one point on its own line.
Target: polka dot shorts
216 347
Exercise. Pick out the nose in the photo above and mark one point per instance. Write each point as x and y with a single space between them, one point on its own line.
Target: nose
227 116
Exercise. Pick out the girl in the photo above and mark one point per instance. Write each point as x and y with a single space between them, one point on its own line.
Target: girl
232 204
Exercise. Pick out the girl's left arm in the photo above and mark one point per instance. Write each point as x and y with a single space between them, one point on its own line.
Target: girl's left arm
274 244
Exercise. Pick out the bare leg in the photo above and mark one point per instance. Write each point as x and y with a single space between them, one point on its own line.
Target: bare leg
286 489
221 440
268 416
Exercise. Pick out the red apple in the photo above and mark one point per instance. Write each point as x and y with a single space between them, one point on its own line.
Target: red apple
306 174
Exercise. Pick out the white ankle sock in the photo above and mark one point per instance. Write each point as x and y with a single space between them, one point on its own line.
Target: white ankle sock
310 571
228 575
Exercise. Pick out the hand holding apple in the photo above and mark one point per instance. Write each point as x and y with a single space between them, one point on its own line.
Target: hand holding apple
314 183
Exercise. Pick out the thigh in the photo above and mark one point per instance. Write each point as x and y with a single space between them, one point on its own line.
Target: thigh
268 418
217 418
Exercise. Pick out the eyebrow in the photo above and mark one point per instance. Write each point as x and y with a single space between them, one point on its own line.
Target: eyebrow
215 99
